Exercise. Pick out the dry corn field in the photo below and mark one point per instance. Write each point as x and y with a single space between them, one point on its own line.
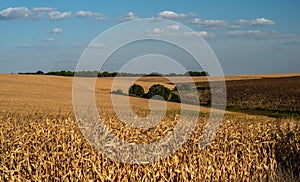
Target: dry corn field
40 140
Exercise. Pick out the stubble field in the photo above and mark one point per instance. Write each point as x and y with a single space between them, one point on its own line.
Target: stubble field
40 139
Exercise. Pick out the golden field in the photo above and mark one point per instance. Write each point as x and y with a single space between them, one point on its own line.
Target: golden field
40 139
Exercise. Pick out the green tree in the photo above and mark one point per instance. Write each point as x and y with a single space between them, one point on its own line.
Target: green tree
136 90
174 97
160 90
39 72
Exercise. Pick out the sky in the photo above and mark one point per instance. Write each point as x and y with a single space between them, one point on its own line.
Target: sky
248 37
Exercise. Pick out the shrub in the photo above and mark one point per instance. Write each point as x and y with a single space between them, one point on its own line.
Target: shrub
39 73
174 97
145 96
136 90
118 92
160 90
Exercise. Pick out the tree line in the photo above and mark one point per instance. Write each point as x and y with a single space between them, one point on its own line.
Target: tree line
112 74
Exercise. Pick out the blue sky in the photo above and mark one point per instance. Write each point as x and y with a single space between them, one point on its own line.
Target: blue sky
257 36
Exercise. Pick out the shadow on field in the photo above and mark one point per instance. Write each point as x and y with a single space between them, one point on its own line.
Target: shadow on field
287 153
265 112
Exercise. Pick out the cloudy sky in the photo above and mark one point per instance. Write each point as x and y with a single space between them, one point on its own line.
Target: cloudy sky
257 36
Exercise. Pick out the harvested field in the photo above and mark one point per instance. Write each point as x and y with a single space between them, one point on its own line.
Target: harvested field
40 139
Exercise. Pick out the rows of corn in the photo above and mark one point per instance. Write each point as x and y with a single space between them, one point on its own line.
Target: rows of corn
34 147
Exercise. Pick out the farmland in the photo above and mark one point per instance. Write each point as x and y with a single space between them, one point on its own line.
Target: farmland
40 139
259 95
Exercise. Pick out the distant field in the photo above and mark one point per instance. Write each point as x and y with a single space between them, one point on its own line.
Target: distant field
53 94
41 141
273 94
267 94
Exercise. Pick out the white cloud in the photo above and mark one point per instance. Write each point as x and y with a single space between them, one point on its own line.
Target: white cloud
256 22
35 13
89 14
170 14
210 23
165 30
196 21
203 34
56 30
26 46
129 16
214 23
241 22
260 35
99 18
244 33
79 45
261 22
49 40
159 31
14 13
56 15
173 27
43 9
85 14
96 45
234 26
40 12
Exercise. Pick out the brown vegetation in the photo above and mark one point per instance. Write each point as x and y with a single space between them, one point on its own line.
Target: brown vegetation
40 140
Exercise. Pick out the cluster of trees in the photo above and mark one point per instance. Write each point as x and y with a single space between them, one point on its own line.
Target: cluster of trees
161 92
196 73
112 74
72 73
61 73
156 91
